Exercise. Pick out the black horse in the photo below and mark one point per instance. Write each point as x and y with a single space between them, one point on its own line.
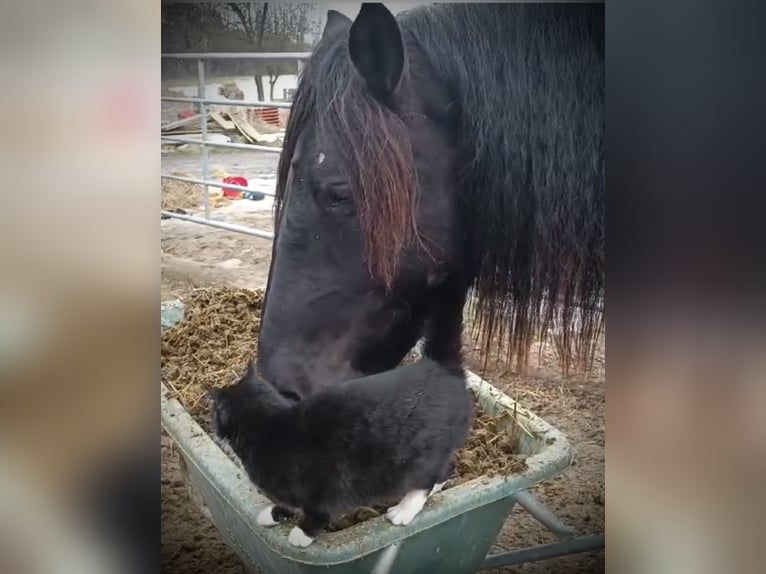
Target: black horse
459 148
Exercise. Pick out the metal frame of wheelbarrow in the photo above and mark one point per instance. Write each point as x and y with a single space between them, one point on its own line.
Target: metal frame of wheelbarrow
569 543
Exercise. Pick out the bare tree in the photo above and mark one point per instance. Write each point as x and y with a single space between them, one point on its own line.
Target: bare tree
252 18
190 28
273 27
288 25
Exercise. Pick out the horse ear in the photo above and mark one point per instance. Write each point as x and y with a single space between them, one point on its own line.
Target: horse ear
376 49
335 22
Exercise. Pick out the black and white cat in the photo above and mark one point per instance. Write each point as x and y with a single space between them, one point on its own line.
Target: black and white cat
370 441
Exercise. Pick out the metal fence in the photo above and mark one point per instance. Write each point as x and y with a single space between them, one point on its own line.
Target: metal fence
203 104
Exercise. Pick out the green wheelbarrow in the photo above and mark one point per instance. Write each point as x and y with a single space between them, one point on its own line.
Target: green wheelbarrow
452 534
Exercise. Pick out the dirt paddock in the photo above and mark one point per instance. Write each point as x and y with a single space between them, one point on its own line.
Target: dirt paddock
197 256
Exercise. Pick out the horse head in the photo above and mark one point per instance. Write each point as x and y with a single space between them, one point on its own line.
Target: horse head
364 210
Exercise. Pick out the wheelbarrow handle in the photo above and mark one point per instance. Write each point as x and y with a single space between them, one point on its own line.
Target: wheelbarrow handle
577 545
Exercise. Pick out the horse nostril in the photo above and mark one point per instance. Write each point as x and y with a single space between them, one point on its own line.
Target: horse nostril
290 395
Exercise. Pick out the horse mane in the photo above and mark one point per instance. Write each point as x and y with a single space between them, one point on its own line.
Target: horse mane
373 148
532 162
533 173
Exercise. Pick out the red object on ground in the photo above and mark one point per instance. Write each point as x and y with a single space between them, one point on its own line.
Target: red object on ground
186 114
235 180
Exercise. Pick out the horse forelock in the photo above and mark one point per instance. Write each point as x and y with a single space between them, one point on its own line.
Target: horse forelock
373 147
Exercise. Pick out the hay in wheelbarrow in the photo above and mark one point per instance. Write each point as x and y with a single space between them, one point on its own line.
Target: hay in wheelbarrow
212 346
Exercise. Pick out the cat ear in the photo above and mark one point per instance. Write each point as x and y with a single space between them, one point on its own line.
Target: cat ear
335 23
376 49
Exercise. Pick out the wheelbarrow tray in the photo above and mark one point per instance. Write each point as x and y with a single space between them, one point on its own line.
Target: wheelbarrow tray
452 534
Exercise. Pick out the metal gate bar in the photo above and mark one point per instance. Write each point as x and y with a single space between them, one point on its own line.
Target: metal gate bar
192 141
204 150
249 104
219 224
239 56
212 183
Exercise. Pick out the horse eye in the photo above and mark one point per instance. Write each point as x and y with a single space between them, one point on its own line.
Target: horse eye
337 196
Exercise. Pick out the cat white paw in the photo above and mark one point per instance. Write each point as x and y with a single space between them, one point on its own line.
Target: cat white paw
266 518
299 538
408 508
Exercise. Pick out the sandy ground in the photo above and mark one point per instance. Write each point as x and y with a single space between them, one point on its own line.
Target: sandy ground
195 256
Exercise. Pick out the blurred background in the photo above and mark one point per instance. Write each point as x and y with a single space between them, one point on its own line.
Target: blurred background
78 287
